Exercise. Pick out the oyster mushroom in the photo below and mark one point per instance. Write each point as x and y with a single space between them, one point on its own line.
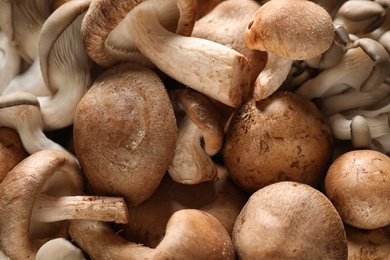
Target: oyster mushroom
10 61
190 234
364 66
289 220
200 136
350 182
47 179
287 30
64 63
125 132
11 150
264 144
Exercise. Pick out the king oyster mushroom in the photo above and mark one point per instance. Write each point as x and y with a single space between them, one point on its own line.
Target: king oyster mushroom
125 132
40 195
190 234
287 30
200 136
216 70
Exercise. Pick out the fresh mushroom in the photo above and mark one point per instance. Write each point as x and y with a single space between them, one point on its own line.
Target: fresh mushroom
65 65
21 111
10 61
289 220
357 185
59 249
364 66
282 137
46 187
219 197
200 136
125 132
287 30
190 234
11 151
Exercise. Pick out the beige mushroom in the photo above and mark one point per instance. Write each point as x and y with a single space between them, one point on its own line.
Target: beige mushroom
190 234
357 185
11 150
125 132
287 30
289 220
200 136
40 195
10 61
59 249
219 197
282 137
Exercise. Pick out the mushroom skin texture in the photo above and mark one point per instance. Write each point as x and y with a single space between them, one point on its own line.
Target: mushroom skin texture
289 220
357 183
283 137
11 150
125 132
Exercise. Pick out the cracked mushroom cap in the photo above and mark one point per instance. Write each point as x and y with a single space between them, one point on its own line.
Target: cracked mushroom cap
289 220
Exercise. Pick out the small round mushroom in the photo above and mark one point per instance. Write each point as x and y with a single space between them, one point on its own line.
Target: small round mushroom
125 132
282 137
190 234
287 30
357 184
45 187
200 136
289 220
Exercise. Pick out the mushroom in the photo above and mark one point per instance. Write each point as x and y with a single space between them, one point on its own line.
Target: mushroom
360 17
60 249
287 30
11 150
289 220
364 67
368 244
47 186
21 112
200 136
264 143
64 63
10 61
190 234
125 132
357 185
219 197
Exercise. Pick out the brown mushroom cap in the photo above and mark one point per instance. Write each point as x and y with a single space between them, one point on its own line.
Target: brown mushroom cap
289 220
282 137
125 132
49 171
11 150
295 29
357 183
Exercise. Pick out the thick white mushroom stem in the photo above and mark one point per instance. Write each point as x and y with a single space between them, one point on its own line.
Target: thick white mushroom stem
364 67
59 248
190 234
358 129
21 111
208 67
108 209
9 61
381 144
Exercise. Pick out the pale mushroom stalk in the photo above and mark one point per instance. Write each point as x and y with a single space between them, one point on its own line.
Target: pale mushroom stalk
216 70
30 81
381 144
372 111
59 248
285 29
190 234
364 67
10 61
64 64
353 99
21 111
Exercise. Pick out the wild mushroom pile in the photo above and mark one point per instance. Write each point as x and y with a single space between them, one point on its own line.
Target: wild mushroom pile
192 129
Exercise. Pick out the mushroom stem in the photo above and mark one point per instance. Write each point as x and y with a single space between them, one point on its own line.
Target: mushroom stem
9 61
272 76
108 209
208 67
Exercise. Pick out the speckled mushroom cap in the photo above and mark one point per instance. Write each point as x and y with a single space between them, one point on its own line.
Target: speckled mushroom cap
295 29
357 183
289 220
